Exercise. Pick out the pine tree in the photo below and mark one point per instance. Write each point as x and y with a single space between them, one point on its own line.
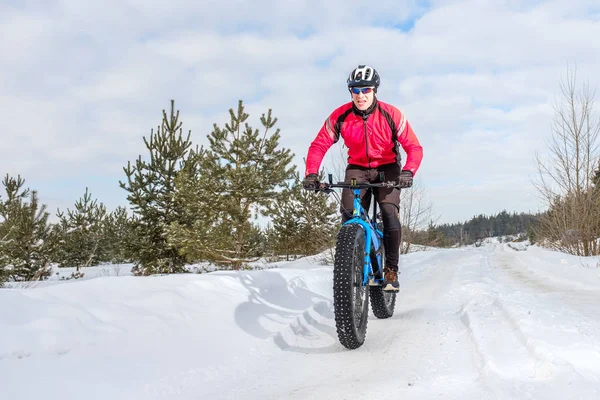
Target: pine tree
83 242
119 236
151 187
203 231
284 232
25 248
304 222
435 237
238 177
4 230
256 242
3 271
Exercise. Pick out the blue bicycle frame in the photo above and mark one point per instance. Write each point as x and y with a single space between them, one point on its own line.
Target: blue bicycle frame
373 235
373 240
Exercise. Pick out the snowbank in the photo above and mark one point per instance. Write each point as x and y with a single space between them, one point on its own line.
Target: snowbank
487 322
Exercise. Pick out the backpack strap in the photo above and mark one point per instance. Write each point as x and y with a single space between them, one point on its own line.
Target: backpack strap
391 123
337 128
395 130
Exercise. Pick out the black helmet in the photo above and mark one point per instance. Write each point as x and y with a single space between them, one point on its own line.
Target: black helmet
362 76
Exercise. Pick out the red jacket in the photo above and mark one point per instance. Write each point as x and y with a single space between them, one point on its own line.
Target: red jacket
371 142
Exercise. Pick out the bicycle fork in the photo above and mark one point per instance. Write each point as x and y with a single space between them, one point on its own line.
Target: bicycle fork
369 275
372 241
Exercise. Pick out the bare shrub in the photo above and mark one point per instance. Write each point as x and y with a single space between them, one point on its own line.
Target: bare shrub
565 178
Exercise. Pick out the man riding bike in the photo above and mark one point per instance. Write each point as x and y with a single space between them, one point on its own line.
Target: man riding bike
373 131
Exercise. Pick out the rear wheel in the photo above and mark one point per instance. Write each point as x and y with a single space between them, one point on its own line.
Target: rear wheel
350 299
382 302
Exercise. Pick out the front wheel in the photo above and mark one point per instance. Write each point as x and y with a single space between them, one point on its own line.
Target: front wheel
350 299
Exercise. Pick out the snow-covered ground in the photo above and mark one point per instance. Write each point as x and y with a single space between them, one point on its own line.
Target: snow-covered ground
499 321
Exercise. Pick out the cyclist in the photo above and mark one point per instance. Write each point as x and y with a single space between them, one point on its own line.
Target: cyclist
373 131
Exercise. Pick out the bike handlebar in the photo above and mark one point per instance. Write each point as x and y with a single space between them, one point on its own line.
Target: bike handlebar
326 186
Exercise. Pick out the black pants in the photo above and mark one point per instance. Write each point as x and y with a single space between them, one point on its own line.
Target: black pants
388 200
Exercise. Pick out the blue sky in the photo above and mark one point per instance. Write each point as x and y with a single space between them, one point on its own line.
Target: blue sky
82 82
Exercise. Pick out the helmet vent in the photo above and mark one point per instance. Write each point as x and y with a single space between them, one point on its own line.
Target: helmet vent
363 75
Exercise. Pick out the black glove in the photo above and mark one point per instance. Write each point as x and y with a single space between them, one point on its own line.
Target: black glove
405 180
311 182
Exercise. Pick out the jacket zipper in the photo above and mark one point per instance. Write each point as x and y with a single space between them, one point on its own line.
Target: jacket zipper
366 142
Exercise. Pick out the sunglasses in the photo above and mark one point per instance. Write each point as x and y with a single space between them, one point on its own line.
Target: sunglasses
364 90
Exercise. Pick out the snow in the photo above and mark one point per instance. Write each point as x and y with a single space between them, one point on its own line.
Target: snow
498 321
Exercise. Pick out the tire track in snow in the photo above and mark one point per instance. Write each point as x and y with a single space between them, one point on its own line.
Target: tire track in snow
514 265
313 330
570 316
502 350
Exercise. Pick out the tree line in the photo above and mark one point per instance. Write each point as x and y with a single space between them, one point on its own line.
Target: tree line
194 204
188 204
521 226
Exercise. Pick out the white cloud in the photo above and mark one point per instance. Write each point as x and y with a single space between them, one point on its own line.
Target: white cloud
82 82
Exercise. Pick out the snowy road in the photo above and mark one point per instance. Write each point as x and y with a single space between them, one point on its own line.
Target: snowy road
473 323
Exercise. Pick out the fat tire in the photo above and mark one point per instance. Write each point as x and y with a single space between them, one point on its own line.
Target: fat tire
382 302
347 276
